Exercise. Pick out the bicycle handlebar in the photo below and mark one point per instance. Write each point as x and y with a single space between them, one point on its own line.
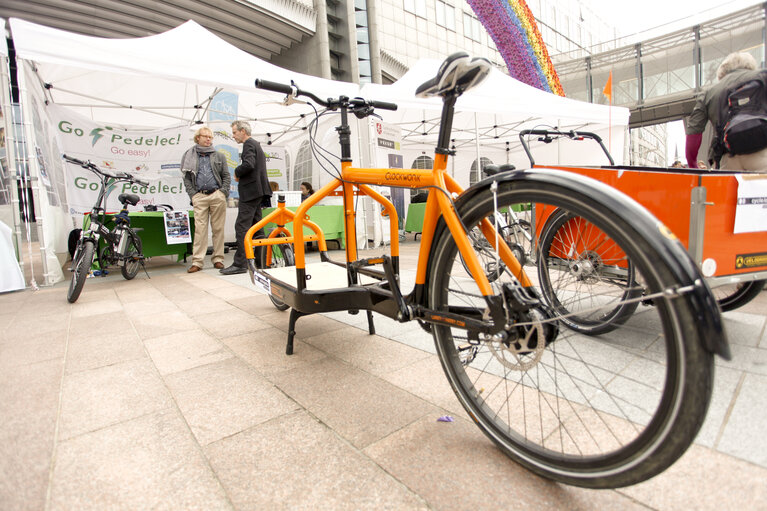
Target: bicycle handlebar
293 90
275 87
572 134
123 176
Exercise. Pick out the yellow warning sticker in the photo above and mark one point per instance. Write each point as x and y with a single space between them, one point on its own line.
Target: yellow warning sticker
750 260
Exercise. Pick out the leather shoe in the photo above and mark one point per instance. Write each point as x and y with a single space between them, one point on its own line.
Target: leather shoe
233 270
193 269
218 265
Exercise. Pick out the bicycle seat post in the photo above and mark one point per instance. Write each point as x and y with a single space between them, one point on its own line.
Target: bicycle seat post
446 122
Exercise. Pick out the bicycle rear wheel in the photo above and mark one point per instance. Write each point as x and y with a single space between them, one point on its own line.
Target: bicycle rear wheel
277 256
732 296
132 256
600 412
579 262
81 265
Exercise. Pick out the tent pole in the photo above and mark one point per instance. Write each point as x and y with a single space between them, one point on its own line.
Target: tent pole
114 104
203 111
476 141
367 159
33 168
10 157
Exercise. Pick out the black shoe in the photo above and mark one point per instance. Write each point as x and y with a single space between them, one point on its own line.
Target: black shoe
233 270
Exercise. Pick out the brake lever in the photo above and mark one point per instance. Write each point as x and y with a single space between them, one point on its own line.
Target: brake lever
362 112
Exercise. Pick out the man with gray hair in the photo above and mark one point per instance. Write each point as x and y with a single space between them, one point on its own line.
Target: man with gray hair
206 180
254 190
736 69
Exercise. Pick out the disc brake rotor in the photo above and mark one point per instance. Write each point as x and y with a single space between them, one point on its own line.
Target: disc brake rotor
525 352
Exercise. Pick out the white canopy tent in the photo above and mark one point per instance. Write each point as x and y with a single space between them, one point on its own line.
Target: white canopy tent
159 81
170 79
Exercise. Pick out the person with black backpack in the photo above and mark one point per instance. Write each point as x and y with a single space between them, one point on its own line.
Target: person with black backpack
736 106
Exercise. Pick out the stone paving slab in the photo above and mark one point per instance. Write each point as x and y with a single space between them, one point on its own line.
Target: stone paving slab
297 462
744 433
149 462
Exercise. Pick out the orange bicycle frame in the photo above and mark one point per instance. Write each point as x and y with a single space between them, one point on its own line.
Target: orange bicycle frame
437 204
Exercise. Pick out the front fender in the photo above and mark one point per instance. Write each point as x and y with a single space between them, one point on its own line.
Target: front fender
685 271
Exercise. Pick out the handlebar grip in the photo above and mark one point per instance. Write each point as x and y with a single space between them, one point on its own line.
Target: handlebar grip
383 105
273 86
129 177
73 159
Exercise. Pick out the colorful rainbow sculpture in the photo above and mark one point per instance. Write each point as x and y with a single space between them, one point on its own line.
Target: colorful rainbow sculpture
512 27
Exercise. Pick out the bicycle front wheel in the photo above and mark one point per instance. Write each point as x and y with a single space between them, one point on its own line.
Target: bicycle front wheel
132 257
277 256
81 265
599 412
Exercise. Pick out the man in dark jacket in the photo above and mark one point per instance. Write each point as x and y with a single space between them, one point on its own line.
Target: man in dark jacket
253 188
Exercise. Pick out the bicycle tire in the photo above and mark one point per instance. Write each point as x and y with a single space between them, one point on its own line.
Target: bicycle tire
730 299
81 265
281 256
132 257
597 412
589 260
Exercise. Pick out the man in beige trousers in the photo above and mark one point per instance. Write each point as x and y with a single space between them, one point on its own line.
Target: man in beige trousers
206 180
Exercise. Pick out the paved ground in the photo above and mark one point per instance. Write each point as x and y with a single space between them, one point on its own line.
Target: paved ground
175 393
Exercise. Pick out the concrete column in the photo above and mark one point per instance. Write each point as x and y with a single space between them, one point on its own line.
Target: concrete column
351 58
375 48
323 46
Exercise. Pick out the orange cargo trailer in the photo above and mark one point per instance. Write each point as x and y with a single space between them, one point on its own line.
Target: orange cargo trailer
698 206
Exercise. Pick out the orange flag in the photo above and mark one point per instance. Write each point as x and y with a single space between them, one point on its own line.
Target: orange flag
608 90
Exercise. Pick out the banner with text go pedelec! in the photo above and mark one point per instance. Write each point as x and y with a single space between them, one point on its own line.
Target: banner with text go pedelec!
152 156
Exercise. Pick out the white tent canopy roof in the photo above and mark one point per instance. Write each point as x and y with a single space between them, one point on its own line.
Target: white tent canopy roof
503 106
497 93
160 77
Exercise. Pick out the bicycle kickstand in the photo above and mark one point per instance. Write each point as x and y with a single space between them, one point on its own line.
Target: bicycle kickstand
143 267
294 315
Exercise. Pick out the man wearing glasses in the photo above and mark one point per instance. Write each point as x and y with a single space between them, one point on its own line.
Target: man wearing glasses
206 180
253 188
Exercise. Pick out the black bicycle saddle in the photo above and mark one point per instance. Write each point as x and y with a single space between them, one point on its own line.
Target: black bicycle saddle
128 198
458 72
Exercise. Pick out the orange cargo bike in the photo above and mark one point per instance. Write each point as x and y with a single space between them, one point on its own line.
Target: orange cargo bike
598 410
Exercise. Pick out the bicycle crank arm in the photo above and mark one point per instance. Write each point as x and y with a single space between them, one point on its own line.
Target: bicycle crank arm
465 318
